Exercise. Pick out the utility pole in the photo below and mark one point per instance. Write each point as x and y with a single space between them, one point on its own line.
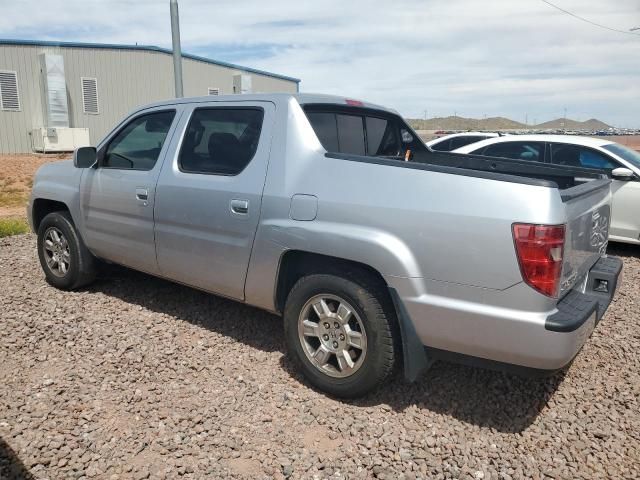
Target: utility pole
177 52
564 122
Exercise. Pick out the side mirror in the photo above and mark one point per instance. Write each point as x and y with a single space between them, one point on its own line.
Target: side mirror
622 173
84 157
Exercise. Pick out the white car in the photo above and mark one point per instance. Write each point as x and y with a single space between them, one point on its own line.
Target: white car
620 163
457 140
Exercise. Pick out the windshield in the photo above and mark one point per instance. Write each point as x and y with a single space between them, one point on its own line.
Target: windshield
625 153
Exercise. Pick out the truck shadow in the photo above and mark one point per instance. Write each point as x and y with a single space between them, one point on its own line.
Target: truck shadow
485 398
11 468
623 250
249 325
481 397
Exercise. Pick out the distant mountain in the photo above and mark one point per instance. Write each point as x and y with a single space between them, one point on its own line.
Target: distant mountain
462 123
501 123
560 123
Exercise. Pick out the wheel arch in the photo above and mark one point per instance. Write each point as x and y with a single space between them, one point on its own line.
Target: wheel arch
44 206
294 264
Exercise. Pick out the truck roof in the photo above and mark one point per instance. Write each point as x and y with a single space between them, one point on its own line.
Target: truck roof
302 98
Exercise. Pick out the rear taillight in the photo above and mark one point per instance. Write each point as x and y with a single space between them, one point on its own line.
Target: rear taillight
540 249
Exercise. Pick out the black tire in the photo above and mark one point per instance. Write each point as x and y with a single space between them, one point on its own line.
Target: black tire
377 316
82 264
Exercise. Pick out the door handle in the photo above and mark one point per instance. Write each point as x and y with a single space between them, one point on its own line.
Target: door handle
240 207
142 194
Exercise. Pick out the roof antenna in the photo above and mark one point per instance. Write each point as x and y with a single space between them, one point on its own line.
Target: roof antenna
177 53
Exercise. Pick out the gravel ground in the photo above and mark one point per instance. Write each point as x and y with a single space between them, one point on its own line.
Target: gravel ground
135 377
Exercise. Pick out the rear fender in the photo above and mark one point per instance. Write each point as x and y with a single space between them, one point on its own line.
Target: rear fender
382 251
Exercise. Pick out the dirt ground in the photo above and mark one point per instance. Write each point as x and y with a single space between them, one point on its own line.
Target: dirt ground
16 178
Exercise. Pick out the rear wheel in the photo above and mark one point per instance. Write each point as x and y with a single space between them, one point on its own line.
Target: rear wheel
339 334
65 260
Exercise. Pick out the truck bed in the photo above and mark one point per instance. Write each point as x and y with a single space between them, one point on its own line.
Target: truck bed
561 177
572 183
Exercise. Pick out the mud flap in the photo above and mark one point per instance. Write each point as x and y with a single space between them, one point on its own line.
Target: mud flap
414 354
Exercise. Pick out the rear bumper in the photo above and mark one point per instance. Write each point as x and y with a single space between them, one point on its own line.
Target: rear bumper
520 337
576 308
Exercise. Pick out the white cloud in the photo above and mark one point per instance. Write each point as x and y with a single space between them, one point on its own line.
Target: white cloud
495 57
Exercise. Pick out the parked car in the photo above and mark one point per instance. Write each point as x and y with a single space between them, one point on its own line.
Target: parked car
617 161
457 140
304 205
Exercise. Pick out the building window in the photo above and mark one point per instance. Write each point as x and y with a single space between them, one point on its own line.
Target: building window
9 96
214 91
90 95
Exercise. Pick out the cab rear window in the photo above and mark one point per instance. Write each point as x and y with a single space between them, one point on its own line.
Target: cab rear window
339 132
361 132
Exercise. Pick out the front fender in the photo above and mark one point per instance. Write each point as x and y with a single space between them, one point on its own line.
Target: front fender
60 182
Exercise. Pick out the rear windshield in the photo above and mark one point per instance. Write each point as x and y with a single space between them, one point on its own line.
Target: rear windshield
625 153
362 131
450 144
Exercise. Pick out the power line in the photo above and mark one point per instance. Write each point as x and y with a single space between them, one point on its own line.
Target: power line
628 32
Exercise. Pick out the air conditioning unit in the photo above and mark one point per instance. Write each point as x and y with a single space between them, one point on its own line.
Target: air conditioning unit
59 139
241 83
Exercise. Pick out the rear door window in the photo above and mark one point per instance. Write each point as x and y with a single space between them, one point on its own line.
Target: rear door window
579 156
442 146
221 141
533 151
457 142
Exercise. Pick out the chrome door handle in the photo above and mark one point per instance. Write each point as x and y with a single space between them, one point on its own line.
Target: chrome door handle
142 194
241 207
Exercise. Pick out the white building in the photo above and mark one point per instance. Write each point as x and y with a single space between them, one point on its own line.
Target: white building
58 95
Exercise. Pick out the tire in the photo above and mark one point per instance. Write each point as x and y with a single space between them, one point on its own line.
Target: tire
372 317
70 250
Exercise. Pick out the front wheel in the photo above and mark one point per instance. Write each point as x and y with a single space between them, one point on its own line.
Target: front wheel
65 260
339 334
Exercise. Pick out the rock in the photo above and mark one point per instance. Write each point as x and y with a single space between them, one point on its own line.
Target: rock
405 455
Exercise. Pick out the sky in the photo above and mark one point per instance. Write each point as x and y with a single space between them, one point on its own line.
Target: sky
514 58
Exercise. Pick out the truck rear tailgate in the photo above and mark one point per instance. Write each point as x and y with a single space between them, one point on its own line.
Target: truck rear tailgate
588 214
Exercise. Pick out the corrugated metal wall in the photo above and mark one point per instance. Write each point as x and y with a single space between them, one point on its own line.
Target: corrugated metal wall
126 79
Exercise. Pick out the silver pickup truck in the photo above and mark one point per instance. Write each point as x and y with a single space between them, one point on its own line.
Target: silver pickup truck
334 214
